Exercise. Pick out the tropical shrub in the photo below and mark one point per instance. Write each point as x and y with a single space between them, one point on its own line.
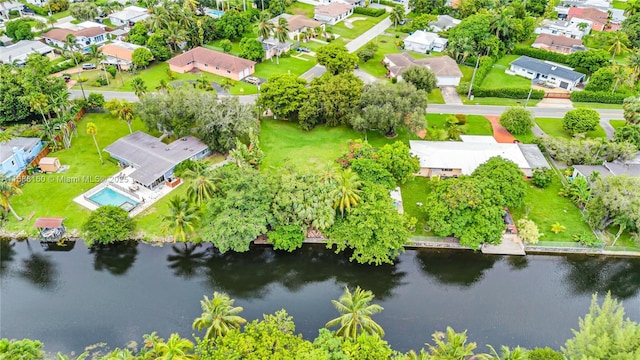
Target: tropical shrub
517 120
542 178
108 224
528 231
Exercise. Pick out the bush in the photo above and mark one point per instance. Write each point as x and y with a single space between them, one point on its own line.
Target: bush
369 11
541 54
601 80
62 66
485 66
462 119
528 231
544 354
38 10
108 224
580 121
542 178
598 96
517 120
509 93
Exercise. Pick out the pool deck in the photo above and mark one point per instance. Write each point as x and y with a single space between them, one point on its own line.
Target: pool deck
120 181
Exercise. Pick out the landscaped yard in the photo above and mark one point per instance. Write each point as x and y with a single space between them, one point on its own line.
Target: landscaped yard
435 97
467 73
497 78
386 45
415 191
476 124
298 8
597 106
527 138
288 64
553 127
359 26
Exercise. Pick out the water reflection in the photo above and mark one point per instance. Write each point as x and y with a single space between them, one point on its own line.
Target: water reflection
39 270
462 268
116 258
7 252
587 275
185 261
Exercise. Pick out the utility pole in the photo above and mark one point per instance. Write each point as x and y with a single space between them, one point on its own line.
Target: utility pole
529 96
473 77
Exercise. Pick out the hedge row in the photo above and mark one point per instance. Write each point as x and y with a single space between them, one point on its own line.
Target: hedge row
38 10
509 93
369 11
388 3
486 63
541 54
62 66
598 96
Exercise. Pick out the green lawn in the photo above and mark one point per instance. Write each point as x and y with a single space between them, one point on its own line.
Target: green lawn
298 8
359 26
597 105
553 127
505 61
289 64
497 101
52 194
415 191
61 14
386 45
617 123
467 72
545 207
435 97
476 124
617 4
527 138
497 78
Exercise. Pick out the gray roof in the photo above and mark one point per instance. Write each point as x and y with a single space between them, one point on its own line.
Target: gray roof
20 51
587 170
623 169
151 157
547 68
534 156
6 148
445 22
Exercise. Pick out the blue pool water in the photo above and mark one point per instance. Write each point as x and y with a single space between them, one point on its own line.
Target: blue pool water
108 196
215 13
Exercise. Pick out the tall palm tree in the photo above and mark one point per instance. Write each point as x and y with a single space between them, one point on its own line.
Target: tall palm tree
70 46
618 44
163 86
347 192
634 63
621 75
38 102
451 346
139 87
281 34
501 23
265 27
397 15
219 316
175 348
122 110
5 136
175 34
202 184
632 8
40 25
181 219
355 314
8 188
92 129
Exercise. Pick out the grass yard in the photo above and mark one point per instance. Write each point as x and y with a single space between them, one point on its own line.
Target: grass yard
617 123
617 4
545 207
435 97
553 127
415 191
527 138
289 64
386 45
497 101
467 73
298 8
60 15
359 26
52 194
505 61
497 78
597 105
476 124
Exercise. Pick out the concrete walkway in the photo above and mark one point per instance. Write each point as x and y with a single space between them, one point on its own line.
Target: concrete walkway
510 245
450 95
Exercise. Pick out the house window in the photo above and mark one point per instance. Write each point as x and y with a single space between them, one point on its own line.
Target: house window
217 67
447 169
206 65
228 71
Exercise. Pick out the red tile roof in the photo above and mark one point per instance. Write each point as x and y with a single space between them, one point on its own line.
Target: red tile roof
61 34
212 58
332 9
598 17
549 40
46 222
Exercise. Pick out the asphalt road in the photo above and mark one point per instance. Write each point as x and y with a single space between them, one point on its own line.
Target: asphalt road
108 95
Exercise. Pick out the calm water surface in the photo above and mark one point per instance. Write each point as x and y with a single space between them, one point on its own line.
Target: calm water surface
72 299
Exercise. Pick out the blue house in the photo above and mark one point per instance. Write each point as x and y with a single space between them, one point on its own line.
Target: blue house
17 153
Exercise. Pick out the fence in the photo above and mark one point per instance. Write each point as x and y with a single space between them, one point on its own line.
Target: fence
555 95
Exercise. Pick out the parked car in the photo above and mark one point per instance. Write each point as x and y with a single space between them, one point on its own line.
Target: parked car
27 10
66 77
303 49
88 66
252 80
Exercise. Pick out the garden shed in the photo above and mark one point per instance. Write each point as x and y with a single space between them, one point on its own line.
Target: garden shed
49 164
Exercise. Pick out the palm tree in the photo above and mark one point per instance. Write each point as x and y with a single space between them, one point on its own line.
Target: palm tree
618 44
190 4
632 8
451 346
5 136
621 75
265 27
70 47
356 314
181 219
634 63
281 34
163 86
92 129
219 316
348 190
51 21
175 34
176 348
8 188
38 102
202 184
40 25
397 15
139 87
122 110
507 354
227 84
501 23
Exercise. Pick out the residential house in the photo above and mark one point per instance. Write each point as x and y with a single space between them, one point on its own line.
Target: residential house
455 158
548 72
603 5
298 24
348 2
617 16
558 43
424 42
571 28
615 168
445 68
119 34
17 153
597 17
84 38
128 16
18 53
332 13
274 48
119 54
153 160
8 6
40 3
80 26
214 62
444 23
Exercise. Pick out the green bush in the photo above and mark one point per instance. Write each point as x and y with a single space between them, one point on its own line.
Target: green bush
517 120
542 178
369 11
462 119
598 96
509 93
108 224
540 54
38 10
580 121
486 64
62 66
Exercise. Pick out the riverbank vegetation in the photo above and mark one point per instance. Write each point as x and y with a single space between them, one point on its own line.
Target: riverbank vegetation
603 333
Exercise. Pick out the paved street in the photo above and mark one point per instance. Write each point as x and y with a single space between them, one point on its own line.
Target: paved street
108 95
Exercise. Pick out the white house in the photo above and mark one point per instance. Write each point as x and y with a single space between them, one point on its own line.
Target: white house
7 6
84 37
128 16
348 2
424 42
545 71
445 68
273 48
19 52
455 158
603 5
332 13
571 28
444 23
38 2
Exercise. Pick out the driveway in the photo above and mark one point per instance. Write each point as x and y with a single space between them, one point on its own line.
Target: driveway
368 35
450 95
365 76
314 72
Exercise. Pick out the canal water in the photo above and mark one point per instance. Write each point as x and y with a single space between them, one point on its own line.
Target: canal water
72 299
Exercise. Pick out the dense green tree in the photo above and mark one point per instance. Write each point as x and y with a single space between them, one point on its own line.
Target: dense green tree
631 108
546 353
536 7
474 31
284 95
332 100
287 237
399 161
233 24
604 333
605 207
371 170
24 349
219 316
251 49
631 26
19 29
84 10
219 123
355 314
56 6
14 106
158 47
108 224
8 188
590 60
420 77
426 6
517 120
542 178
121 110
505 178
577 151
601 80
628 133
139 33
336 59
451 346
580 121
367 52
141 57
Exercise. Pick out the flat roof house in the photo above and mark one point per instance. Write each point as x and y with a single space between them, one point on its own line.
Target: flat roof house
19 52
213 62
119 54
558 43
128 16
607 169
445 68
153 160
455 158
332 13
424 42
548 72
298 24
17 153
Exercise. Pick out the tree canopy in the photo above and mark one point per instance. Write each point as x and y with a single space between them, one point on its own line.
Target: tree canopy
336 59
517 120
108 224
284 94
420 77
580 121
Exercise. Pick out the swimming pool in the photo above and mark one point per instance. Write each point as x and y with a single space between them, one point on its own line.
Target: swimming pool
108 196
214 13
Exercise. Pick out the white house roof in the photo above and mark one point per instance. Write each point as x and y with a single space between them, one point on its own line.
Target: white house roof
20 51
130 13
422 37
466 156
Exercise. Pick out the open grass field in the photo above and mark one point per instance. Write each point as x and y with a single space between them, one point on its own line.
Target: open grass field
284 65
359 26
553 127
476 124
497 78
527 138
413 192
617 123
597 106
298 8
545 207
